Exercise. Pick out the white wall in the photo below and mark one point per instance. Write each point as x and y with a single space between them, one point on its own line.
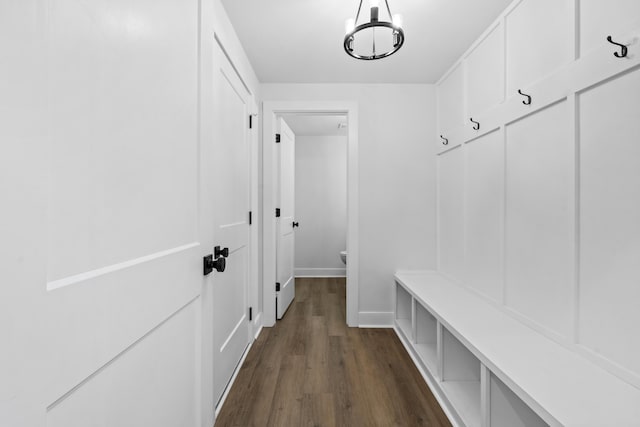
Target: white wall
537 210
321 205
397 181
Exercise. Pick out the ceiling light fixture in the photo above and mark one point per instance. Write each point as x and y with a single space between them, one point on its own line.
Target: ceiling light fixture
389 35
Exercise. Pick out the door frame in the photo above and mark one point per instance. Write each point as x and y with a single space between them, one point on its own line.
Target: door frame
271 110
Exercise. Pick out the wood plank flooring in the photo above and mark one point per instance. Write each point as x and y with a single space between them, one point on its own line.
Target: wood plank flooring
312 370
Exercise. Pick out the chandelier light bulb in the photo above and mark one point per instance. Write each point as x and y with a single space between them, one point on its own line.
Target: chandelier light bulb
349 25
397 20
374 3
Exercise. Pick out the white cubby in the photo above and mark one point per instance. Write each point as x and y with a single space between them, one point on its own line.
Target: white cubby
426 342
461 379
491 370
508 410
404 303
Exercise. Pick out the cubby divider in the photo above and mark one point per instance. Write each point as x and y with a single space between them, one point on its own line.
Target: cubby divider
488 369
403 317
426 342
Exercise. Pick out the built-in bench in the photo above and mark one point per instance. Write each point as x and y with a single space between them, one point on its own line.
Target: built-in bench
486 368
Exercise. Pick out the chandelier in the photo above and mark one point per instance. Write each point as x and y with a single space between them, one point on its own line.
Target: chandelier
376 38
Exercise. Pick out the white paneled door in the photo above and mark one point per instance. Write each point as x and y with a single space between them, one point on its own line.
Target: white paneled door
285 222
231 188
100 268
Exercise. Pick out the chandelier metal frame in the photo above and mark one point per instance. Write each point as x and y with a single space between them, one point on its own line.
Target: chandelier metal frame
397 34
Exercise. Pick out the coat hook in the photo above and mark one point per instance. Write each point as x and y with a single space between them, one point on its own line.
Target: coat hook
623 47
528 100
445 141
476 125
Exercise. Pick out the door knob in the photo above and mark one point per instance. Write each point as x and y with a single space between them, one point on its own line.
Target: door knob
295 224
209 264
220 264
217 252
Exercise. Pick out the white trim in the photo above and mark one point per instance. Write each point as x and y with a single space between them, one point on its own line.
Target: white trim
233 65
257 327
321 272
232 380
242 321
431 381
375 319
270 110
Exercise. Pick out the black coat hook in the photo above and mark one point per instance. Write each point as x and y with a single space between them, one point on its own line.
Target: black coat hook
476 125
445 141
528 100
623 47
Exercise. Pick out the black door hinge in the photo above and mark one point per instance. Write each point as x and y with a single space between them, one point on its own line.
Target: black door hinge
250 217
277 138
277 286
277 212
250 121
250 313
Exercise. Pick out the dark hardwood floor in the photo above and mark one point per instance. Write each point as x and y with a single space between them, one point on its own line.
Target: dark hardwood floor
311 370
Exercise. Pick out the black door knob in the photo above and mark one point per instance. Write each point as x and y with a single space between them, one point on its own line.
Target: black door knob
210 264
217 252
220 264
295 224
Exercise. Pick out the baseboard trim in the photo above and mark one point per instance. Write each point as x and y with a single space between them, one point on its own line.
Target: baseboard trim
218 407
321 272
375 319
257 326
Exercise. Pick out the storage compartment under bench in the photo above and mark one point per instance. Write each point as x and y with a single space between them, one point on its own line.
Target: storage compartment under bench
482 379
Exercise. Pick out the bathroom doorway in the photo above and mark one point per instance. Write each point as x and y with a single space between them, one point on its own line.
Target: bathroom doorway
320 197
311 229
326 215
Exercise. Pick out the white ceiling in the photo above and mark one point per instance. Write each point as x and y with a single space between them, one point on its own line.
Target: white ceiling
316 125
300 41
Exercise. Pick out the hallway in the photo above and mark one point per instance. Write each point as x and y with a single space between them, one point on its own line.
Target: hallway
311 370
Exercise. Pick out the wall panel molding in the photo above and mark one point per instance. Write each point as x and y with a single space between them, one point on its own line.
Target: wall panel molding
564 294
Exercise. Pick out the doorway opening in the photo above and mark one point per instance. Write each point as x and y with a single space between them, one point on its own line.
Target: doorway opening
298 112
311 232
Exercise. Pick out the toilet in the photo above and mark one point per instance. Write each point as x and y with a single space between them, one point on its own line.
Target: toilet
343 257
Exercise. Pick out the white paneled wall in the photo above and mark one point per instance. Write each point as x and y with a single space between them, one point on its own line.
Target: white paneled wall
538 208
597 21
484 181
450 213
537 227
610 220
538 41
485 73
451 100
